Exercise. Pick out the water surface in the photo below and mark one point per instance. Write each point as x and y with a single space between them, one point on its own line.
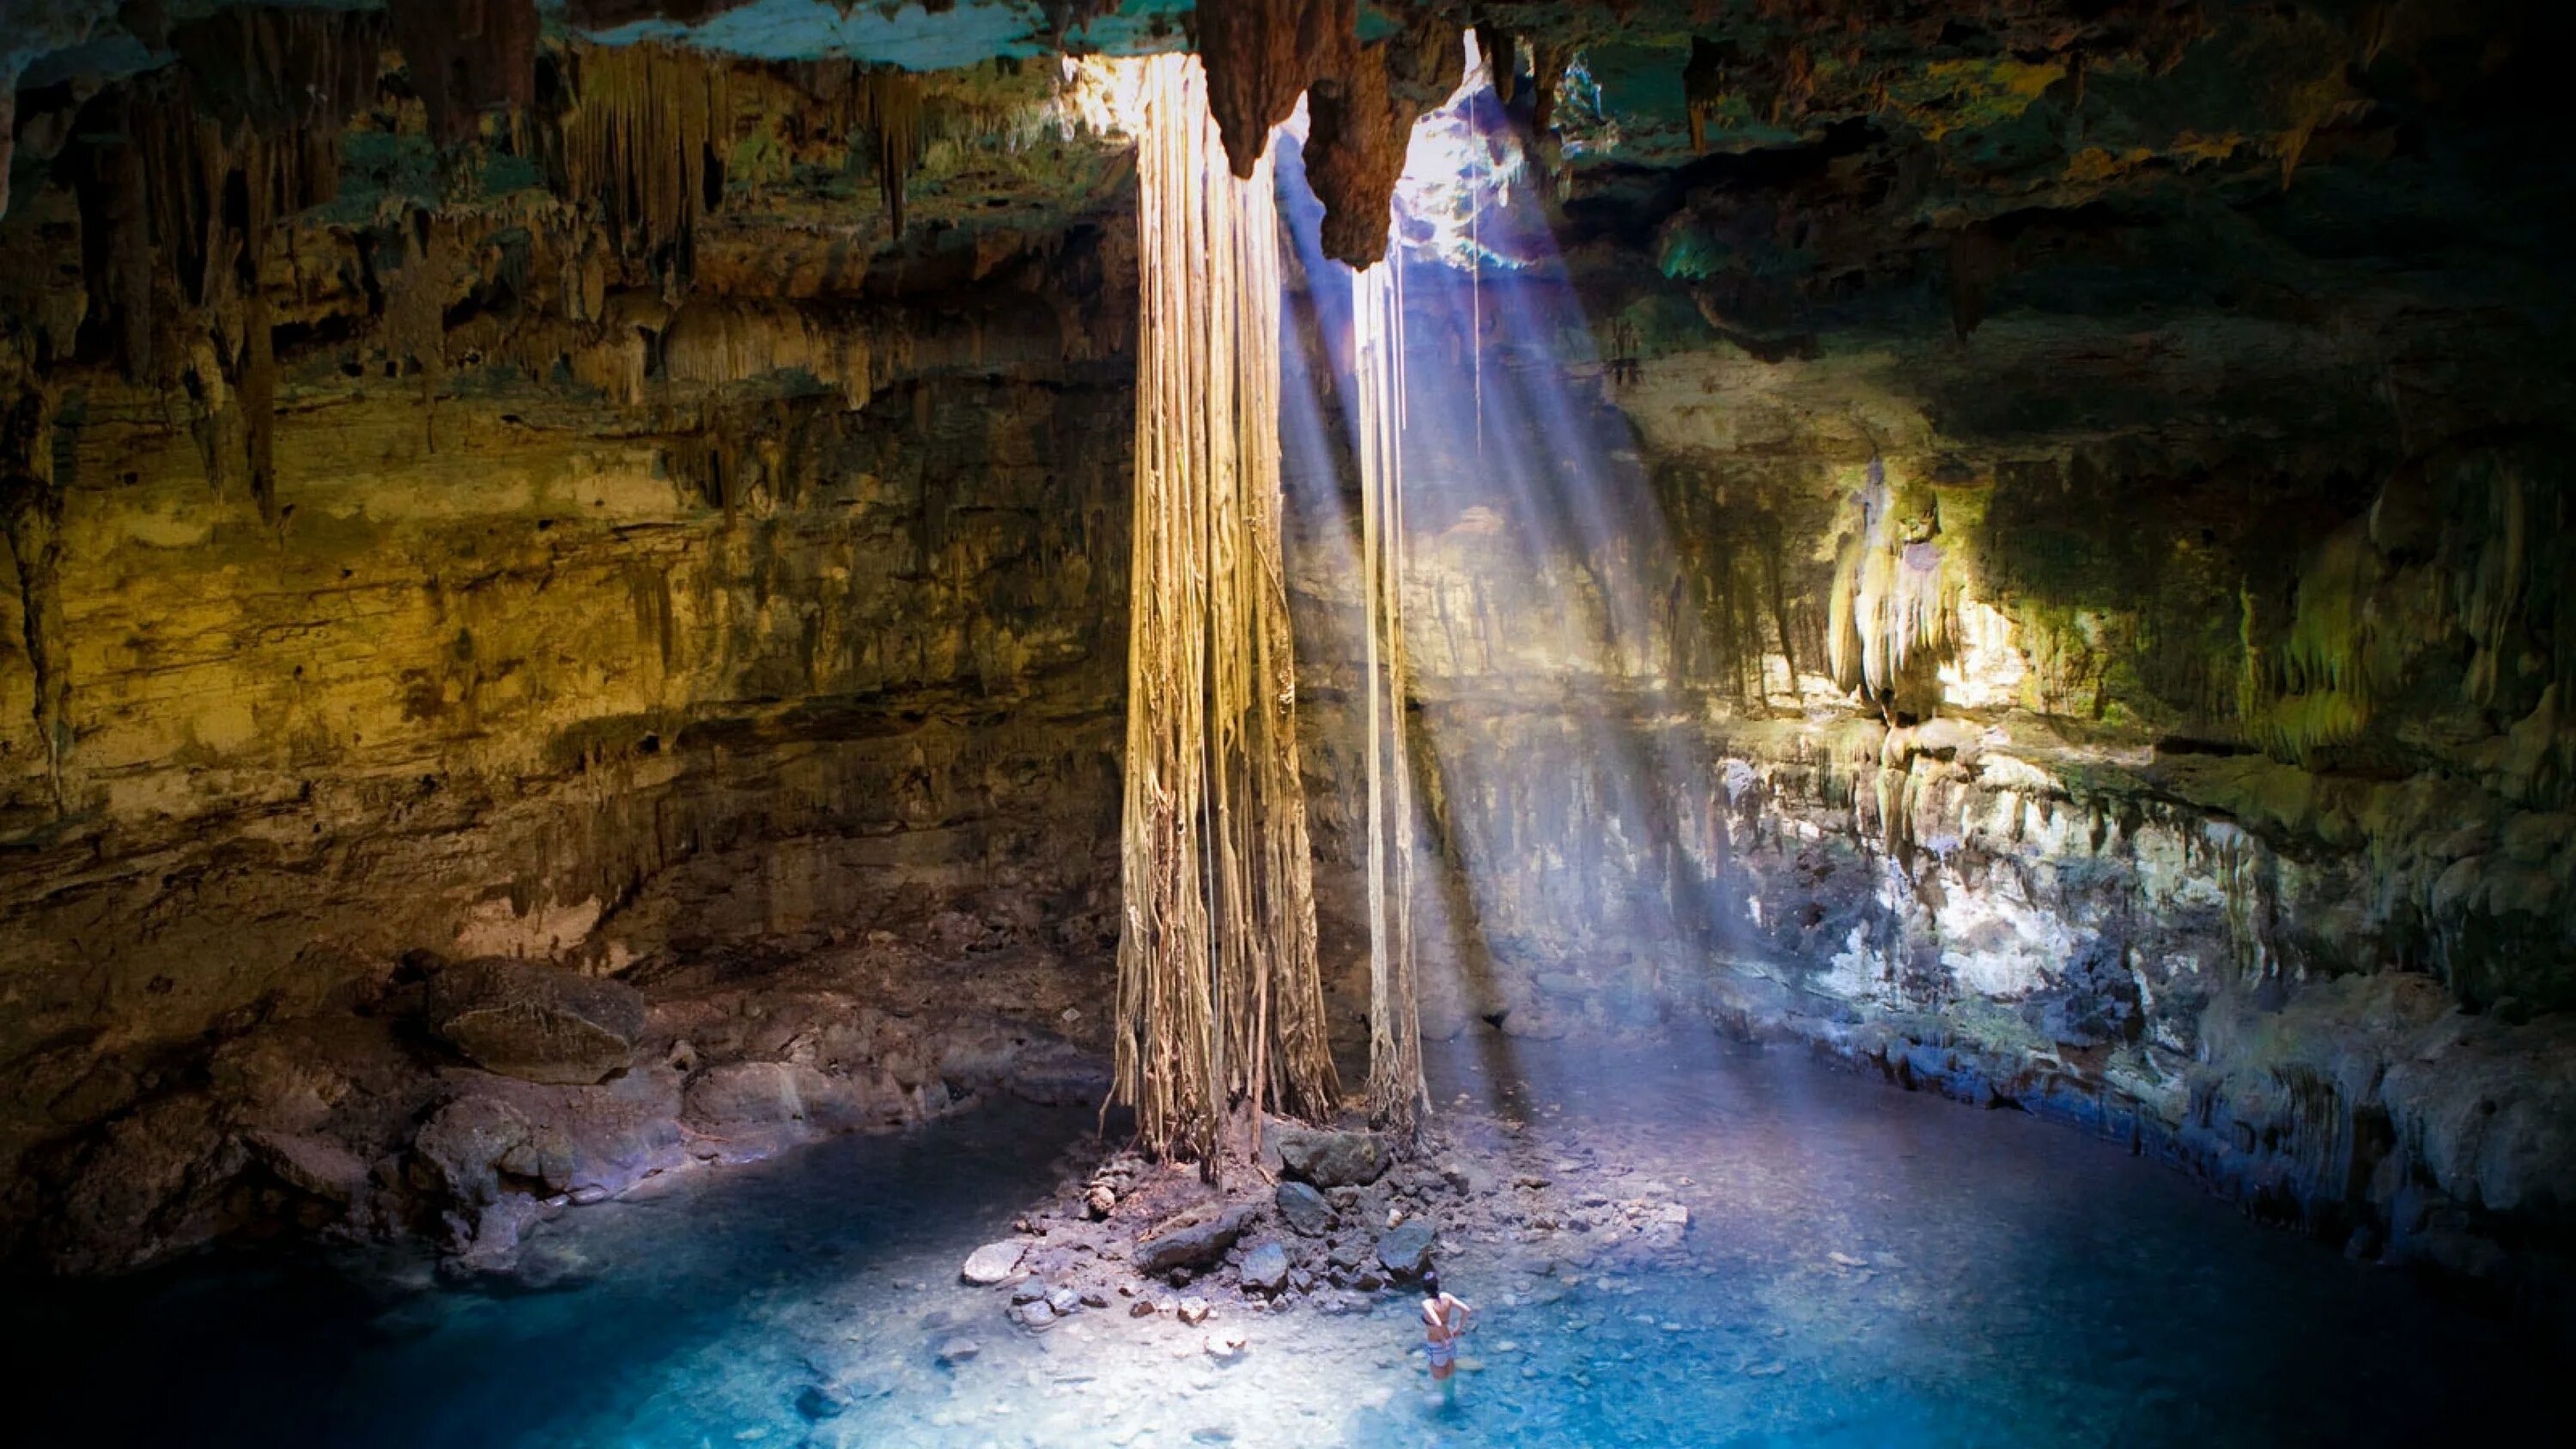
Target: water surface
1863 1267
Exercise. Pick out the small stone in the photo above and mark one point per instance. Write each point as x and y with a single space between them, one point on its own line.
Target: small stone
1036 1316
1265 1268
1063 1302
1101 1201
1225 1342
959 1350
992 1263
1194 1309
1094 1298
1141 1308
589 1194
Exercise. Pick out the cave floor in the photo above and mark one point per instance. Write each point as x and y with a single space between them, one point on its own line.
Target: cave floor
1862 1266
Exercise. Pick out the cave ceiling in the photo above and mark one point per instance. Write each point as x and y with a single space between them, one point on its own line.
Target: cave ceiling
1762 172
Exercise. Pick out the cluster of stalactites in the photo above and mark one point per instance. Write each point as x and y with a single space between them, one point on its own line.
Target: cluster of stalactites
1892 609
884 103
644 141
179 189
466 57
1362 101
1220 997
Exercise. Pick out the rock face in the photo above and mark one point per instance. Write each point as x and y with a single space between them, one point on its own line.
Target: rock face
537 1023
1327 1158
1190 1244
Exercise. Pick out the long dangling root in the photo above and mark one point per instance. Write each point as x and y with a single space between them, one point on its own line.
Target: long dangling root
1220 998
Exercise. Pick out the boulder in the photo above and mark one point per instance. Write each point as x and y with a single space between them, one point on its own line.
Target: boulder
534 1022
992 1263
748 1094
1329 1158
317 1165
1405 1250
1265 1269
1191 1244
1304 1209
468 1146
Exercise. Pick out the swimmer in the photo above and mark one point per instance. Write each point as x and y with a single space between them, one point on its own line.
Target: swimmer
1444 1321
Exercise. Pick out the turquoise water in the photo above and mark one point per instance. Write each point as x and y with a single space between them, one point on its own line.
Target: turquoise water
1862 1267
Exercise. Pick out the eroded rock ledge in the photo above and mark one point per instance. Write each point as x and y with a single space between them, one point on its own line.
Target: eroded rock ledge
464 1101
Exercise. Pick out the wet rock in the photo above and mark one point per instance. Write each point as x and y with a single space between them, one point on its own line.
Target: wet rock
1191 1245
1405 1251
1265 1269
955 1351
1329 1158
1304 1209
537 1023
992 1263
748 1094
1036 1316
823 1401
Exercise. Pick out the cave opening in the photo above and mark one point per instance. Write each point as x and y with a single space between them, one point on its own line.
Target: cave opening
1285 722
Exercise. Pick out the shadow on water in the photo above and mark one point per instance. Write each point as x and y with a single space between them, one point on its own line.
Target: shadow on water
280 1349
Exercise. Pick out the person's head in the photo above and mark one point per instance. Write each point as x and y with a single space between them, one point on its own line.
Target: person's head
1431 1284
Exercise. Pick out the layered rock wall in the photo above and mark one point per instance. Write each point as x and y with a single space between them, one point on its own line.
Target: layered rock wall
543 692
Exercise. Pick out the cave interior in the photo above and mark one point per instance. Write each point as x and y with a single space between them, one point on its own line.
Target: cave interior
1861 707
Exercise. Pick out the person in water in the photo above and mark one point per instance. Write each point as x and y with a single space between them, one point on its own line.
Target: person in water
1445 1317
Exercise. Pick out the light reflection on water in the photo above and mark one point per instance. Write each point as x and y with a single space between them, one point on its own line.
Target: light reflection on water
1863 1267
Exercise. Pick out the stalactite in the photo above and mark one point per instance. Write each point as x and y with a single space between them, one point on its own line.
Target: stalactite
890 110
416 311
1362 125
1261 55
465 57
1220 1005
1397 1091
31 519
177 210
644 143
8 131
1893 601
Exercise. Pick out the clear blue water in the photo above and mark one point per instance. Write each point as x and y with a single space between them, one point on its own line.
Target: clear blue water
1862 1268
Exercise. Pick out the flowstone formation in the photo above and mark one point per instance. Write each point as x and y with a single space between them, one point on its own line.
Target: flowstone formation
566 569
